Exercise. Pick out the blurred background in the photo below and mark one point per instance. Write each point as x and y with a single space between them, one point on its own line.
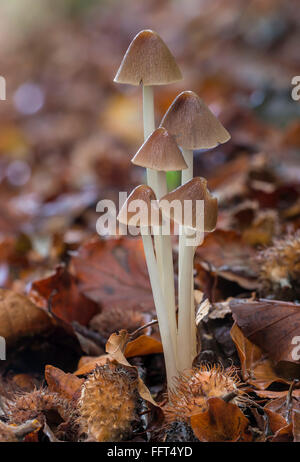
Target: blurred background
67 132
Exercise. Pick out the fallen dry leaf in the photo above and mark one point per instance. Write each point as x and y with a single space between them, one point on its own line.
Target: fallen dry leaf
281 417
276 421
113 273
271 325
225 253
24 381
19 317
276 394
66 385
221 422
143 345
296 425
256 368
115 347
88 363
283 435
66 301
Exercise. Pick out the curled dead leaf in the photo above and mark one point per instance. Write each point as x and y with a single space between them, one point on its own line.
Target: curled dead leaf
67 302
221 422
269 324
66 385
225 253
19 317
114 273
143 345
115 347
256 368
88 363
296 425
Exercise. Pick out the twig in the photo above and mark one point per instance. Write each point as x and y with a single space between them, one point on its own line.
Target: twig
149 324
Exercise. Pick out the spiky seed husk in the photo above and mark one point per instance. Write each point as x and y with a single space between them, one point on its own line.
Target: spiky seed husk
279 267
108 404
39 404
192 390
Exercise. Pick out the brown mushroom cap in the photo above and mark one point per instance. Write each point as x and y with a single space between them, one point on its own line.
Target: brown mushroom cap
149 61
193 124
193 190
160 152
140 193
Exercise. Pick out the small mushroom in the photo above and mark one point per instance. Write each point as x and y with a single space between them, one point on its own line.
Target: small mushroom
194 126
143 198
161 153
146 201
193 191
148 62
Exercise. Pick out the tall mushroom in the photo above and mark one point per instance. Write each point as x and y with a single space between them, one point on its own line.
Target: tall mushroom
193 191
194 126
143 198
148 62
161 153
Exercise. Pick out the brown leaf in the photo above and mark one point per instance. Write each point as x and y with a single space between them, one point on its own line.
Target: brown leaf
221 422
143 345
88 363
283 435
276 394
280 414
66 385
115 347
256 368
271 325
19 317
24 381
225 253
296 425
113 272
276 421
67 302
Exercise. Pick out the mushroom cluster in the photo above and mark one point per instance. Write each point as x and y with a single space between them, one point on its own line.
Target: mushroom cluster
187 125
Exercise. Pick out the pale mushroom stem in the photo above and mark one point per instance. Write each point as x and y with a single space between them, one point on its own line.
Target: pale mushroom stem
187 175
161 311
168 274
184 346
163 246
148 111
149 127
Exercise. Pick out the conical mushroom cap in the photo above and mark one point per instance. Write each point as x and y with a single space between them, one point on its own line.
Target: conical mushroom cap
193 190
193 124
146 207
149 61
160 152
